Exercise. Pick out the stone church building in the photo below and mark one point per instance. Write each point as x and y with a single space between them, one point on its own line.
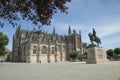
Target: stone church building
39 46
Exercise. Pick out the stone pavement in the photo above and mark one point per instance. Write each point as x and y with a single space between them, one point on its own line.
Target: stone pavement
60 71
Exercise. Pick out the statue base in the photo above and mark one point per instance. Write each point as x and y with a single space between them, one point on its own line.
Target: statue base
92 45
96 55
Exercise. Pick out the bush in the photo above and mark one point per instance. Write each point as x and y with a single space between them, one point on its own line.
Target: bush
113 54
110 53
73 56
82 57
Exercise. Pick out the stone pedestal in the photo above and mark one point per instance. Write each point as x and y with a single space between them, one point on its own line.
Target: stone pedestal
96 55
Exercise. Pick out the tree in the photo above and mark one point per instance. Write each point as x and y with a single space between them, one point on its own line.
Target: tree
73 55
117 51
110 52
37 11
3 42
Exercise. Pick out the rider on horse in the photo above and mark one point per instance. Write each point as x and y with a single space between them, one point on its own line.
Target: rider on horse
94 32
95 38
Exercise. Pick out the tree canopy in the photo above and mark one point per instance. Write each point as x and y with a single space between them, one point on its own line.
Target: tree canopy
3 42
110 52
37 11
117 51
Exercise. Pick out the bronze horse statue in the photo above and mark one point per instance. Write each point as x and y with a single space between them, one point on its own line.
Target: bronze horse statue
95 39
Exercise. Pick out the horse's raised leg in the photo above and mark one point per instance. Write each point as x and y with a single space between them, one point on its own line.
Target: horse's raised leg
98 44
91 42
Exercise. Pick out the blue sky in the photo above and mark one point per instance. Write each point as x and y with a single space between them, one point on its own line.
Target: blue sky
103 15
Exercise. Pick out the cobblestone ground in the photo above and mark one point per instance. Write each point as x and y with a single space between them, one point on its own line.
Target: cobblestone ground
60 71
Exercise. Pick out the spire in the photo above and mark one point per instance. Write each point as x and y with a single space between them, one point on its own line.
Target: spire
19 27
69 31
80 35
74 32
80 32
54 31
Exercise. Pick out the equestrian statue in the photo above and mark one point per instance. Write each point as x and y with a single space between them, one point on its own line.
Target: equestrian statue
94 38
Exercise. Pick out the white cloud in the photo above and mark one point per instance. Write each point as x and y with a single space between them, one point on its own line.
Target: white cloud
108 29
102 30
63 27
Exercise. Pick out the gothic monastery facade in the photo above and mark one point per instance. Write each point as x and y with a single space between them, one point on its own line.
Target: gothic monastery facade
39 46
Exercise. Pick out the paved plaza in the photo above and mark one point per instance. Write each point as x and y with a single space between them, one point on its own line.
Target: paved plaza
60 71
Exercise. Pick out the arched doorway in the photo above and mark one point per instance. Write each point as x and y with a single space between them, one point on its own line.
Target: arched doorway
43 56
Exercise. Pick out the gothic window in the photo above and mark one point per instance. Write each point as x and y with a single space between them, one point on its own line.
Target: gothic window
34 38
34 51
53 50
35 47
44 50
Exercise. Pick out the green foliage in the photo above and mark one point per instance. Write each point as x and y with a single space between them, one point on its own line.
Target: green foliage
73 55
110 52
117 51
2 51
113 54
82 56
3 42
37 11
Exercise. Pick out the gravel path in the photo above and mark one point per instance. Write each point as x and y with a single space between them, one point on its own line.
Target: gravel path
60 71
